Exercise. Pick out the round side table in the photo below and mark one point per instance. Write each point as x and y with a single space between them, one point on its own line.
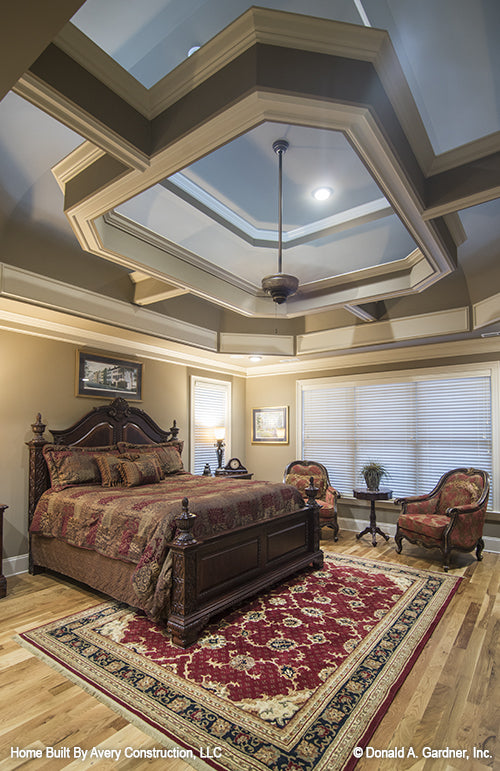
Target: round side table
383 494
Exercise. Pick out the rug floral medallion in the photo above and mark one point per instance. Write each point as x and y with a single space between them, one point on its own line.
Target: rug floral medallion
293 680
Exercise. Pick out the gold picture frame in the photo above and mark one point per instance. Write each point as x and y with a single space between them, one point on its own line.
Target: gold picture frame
106 377
270 425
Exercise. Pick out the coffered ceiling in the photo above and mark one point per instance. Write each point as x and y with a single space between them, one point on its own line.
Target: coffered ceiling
157 162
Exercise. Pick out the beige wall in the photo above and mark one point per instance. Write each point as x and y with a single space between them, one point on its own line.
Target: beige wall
38 375
269 462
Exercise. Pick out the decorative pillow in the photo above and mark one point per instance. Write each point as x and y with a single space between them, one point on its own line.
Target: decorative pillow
300 477
69 466
109 469
145 471
458 490
168 454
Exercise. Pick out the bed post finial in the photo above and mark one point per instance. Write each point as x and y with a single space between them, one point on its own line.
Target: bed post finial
311 493
184 525
174 430
38 428
38 472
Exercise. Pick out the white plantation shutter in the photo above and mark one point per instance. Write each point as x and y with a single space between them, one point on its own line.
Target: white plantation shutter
210 409
417 428
385 427
327 436
455 426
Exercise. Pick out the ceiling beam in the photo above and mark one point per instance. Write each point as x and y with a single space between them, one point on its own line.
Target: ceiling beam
149 290
27 28
466 185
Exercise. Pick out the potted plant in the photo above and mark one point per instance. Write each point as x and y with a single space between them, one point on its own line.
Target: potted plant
372 473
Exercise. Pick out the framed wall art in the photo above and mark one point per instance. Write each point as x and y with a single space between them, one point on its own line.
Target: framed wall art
106 377
270 425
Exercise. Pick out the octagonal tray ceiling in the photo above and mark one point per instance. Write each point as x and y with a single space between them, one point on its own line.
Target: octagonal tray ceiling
200 181
223 209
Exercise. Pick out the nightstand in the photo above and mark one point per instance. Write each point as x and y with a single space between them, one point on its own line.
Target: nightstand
3 582
234 469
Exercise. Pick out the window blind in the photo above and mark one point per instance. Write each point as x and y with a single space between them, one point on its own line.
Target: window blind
416 428
210 409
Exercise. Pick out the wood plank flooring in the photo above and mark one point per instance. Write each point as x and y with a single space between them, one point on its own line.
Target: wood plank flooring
450 700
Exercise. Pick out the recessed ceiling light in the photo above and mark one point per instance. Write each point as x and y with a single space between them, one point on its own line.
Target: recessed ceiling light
255 358
193 50
322 193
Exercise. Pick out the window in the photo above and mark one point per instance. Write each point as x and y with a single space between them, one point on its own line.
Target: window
416 426
210 410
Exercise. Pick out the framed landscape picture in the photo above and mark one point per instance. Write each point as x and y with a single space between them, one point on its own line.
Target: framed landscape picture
270 425
107 376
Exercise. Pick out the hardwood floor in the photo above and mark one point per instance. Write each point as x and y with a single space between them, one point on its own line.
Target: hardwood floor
449 701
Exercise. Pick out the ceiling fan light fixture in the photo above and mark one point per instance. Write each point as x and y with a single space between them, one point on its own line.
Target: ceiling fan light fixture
280 286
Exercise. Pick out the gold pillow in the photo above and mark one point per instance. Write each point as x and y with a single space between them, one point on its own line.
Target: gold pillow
144 471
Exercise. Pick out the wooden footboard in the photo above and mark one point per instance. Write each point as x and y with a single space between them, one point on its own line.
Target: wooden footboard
218 573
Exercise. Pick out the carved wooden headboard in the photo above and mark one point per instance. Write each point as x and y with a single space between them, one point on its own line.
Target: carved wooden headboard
115 422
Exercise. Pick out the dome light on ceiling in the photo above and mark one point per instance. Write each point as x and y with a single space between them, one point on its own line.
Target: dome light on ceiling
322 193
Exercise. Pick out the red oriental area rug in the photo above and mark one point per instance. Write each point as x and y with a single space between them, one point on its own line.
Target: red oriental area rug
293 680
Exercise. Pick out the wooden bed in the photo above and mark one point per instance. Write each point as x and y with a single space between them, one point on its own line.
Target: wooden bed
208 575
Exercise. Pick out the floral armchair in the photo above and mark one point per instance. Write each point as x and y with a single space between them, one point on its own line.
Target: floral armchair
450 517
298 474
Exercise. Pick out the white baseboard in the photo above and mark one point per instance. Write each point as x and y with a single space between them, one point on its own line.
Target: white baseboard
12 566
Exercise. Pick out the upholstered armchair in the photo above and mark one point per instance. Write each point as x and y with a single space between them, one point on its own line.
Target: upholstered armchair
450 517
298 474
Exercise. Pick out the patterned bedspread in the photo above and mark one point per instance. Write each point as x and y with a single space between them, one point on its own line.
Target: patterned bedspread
135 524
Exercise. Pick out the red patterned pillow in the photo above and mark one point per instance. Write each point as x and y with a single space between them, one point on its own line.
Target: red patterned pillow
300 477
458 490
69 466
145 471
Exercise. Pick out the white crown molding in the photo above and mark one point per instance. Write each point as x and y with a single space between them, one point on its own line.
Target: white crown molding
461 201
54 315
266 26
240 117
344 220
267 345
427 325
30 287
148 290
77 161
405 265
361 127
92 58
135 230
379 358
486 311
472 151
40 94
54 325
